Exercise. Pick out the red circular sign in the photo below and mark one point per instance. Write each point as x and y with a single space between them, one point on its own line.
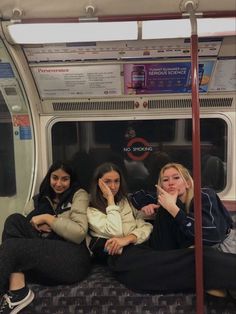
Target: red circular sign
143 142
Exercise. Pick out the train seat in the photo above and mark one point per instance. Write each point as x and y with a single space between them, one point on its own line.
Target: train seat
101 293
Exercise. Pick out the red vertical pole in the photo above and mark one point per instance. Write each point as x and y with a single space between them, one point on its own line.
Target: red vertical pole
196 160
197 175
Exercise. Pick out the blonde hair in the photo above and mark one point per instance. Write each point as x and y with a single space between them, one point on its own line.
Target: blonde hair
184 173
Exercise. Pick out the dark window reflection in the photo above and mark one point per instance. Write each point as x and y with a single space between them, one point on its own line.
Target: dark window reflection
141 148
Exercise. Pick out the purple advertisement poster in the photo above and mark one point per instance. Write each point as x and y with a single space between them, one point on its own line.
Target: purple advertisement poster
171 77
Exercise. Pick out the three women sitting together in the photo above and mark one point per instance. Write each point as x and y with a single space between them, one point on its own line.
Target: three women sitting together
47 244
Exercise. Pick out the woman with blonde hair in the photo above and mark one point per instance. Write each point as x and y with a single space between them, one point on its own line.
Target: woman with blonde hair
174 220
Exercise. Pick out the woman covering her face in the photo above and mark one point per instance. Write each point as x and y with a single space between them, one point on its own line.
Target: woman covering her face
124 236
47 244
110 214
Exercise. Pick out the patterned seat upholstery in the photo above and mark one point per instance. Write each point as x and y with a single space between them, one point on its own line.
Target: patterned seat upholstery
101 293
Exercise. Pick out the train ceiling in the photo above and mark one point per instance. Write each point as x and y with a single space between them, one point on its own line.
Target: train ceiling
30 9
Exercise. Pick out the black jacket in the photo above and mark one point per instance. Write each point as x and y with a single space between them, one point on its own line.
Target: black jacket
216 220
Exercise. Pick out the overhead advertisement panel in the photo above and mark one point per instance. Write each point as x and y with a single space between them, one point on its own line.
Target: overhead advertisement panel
224 78
166 77
76 81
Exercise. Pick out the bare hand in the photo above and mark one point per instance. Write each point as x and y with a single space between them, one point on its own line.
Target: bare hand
150 209
38 221
44 228
168 201
106 191
115 245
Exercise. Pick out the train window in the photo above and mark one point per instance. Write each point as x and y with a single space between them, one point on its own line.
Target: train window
214 132
141 148
163 131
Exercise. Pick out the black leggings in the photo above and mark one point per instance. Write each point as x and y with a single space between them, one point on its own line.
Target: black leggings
45 260
143 269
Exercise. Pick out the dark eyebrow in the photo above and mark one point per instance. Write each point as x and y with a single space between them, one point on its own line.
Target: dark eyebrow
64 177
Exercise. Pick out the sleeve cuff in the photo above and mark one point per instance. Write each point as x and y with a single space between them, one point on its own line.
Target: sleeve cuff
180 217
112 207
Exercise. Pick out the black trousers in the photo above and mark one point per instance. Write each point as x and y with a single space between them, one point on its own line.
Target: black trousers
144 269
166 264
42 260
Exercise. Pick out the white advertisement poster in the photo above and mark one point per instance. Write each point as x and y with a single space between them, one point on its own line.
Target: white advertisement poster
76 81
224 78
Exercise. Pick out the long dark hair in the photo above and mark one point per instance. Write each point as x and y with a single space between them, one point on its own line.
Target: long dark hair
45 187
96 198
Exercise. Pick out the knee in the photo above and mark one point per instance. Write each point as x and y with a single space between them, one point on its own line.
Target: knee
10 245
10 225
13 218
81 271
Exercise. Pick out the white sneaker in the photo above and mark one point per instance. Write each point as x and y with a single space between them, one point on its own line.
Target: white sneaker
9 307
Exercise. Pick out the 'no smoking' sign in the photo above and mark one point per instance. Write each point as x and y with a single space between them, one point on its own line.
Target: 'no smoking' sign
138 148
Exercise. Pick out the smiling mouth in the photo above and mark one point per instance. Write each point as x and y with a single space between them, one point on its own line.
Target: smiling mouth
59 190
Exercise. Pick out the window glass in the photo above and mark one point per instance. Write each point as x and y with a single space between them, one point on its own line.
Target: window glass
213 136
152 131
141 148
